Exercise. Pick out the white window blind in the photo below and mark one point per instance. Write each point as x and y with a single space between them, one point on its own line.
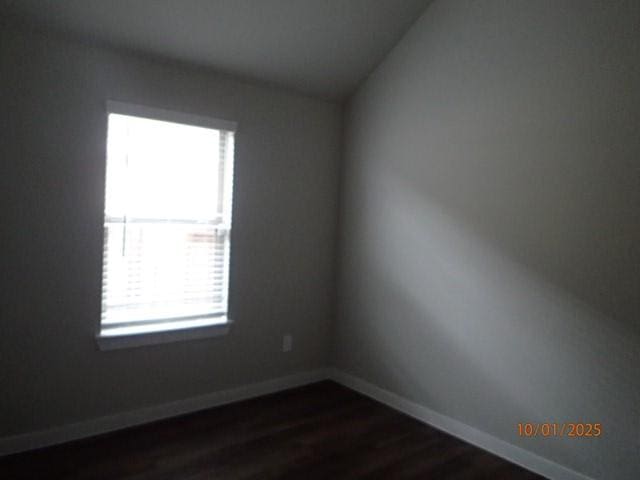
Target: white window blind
167 222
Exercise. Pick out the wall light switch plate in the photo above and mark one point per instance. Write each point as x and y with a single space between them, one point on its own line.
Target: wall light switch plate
287 342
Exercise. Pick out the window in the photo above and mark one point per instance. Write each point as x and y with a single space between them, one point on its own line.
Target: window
167 224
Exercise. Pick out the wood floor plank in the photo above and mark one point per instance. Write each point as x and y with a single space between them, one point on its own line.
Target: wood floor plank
320 431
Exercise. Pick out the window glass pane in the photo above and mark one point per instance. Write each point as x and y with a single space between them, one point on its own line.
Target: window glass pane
156 271
161 170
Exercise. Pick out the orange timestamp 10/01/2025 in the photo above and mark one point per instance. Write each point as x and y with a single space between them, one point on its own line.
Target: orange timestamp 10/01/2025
565 429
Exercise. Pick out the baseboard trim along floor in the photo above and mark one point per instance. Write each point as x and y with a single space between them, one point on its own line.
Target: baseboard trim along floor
76 431
512 453
89 428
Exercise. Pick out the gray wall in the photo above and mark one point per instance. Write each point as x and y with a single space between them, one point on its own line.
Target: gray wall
52 154
489 225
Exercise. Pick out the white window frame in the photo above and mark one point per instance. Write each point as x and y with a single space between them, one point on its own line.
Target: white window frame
221 325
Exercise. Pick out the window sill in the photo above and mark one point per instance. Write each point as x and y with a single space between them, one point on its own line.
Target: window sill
116 342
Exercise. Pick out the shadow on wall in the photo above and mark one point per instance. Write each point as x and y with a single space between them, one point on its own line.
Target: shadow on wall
446 318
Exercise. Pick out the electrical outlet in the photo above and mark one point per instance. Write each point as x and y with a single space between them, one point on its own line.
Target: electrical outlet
287 342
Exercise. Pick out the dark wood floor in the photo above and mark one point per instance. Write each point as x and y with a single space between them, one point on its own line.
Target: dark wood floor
321 431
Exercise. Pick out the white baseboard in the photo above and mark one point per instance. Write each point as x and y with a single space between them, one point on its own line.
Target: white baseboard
512 453
75 431
89 428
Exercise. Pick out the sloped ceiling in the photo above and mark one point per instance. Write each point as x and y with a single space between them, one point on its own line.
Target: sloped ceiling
320 47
